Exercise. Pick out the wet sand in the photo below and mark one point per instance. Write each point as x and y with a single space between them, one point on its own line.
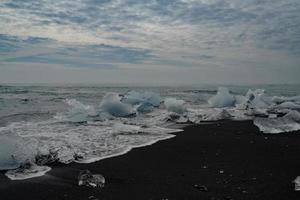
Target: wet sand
233 160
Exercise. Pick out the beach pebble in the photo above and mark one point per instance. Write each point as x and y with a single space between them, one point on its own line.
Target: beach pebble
297 183
86 178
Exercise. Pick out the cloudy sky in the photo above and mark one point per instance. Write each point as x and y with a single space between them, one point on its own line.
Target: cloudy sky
150 41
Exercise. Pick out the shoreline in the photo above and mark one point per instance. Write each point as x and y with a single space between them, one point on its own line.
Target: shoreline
232 159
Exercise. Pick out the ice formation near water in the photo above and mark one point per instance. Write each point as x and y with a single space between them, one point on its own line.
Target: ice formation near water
222 99
174 105
134 97
111 103
79 112
115 123
27 170
287 123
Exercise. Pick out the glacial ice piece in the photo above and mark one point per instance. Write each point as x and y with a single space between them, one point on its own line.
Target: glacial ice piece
287 123
135 98
145 107
256 99
279 100
27 170
174 105
86 178
222 99
111 104
43 158
289 105
297 183
79 111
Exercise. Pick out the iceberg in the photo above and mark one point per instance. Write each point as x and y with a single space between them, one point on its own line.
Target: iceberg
287 123
256 99
111 103
174 105
222 99
135 98
145 107
289 105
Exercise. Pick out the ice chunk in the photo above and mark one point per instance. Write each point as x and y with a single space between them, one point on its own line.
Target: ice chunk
111 104
287 123
256 99
134 98
86 178
145 107
279 100
27 170
46 157
289 105
174 105
297 183
79 112
222 99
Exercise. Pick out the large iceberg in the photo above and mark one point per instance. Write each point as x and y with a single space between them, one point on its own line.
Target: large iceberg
174 105
111 103
222 99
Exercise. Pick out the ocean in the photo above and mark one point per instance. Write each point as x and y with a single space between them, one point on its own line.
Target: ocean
40 124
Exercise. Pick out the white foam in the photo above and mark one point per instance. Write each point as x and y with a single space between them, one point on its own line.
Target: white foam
34 171
79 112
222 99
108 131
174 105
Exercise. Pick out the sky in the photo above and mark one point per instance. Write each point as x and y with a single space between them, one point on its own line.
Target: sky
150 41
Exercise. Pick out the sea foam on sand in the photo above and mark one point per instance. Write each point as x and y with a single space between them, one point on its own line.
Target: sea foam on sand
88 133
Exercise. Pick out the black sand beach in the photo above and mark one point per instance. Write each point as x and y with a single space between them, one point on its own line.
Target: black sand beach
232 159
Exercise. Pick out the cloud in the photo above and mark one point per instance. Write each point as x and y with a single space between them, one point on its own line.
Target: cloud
156 33
42 50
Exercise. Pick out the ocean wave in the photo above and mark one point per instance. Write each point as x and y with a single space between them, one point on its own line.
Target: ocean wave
119 122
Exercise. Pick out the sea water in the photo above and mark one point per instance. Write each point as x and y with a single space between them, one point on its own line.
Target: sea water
71 123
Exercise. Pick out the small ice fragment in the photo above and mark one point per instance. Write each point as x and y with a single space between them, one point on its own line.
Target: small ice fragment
221 171
86 178
297 183
201 188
